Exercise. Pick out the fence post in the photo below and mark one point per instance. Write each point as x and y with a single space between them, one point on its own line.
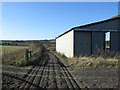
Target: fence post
30 53
26 55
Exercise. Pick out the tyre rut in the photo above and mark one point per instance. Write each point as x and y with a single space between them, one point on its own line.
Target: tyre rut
71 83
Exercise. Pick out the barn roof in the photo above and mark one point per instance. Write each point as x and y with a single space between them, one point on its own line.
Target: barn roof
78 27
112 18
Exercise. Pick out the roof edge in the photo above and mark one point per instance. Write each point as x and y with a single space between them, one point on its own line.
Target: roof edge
63 33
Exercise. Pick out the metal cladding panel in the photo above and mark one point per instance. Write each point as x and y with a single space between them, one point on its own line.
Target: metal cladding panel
114 41
64 44
98 41
119 42
82 43
119 33
109 25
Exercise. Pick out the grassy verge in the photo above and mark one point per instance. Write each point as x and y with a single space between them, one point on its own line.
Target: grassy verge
88 61
37 54
84 61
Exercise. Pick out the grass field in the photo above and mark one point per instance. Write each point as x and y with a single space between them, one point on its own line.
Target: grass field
15 55
10 49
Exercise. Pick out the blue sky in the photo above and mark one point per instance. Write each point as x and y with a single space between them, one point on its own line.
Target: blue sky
36 21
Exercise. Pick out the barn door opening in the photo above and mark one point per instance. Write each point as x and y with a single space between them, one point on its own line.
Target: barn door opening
107 40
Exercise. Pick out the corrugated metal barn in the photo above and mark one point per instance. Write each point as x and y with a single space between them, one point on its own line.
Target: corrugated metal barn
87 39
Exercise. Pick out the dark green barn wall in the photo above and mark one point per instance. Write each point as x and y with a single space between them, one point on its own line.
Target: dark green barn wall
82 43
119 42
114 42
113 25
115 39
98 41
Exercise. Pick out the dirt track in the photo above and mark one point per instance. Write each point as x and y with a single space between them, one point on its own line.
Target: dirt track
51 72
46 73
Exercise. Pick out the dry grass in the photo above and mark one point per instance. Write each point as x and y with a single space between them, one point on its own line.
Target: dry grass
15 55
10 49
93 62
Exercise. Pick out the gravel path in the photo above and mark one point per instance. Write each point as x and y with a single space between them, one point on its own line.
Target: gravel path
48 73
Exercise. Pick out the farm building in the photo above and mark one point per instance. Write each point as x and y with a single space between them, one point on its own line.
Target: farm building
88 39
